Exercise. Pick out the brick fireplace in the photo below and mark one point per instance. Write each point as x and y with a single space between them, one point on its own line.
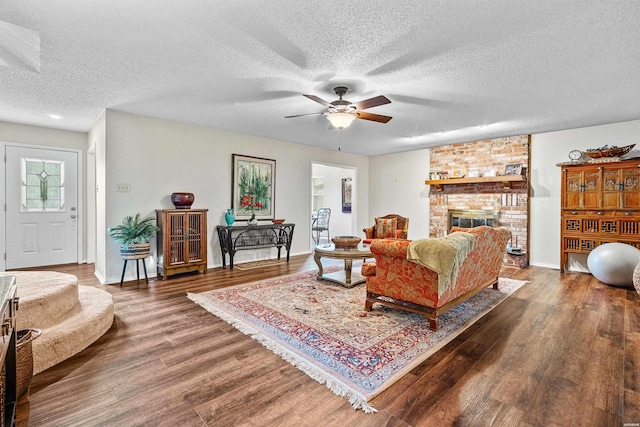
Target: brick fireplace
487 159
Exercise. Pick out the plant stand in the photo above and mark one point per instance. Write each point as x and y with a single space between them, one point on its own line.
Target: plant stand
137 251
144 265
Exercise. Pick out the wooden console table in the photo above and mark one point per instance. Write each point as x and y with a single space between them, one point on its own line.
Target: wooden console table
243 237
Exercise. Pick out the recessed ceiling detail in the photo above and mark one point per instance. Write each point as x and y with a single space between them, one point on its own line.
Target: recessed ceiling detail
19 47
450 68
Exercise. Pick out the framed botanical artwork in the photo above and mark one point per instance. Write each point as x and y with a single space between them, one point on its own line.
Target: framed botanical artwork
253 191
515 169
346 195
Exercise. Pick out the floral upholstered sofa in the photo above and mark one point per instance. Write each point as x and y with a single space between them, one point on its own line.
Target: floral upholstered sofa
468 260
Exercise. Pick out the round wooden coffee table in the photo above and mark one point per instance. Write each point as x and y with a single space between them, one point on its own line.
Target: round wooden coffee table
346 277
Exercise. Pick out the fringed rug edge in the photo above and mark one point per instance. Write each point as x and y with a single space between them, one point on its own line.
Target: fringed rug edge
357 400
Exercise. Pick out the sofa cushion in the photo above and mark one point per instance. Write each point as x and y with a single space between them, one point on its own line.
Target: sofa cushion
386 228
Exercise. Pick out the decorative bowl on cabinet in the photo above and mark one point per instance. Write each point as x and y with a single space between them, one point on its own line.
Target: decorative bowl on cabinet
182 200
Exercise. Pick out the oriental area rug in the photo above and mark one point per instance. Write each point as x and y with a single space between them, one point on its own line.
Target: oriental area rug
323 330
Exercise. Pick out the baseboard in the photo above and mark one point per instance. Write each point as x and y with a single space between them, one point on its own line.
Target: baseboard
541 264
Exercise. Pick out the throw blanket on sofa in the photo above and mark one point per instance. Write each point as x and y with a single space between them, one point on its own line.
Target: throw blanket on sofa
443 255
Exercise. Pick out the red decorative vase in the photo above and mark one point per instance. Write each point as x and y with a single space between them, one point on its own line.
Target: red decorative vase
182 200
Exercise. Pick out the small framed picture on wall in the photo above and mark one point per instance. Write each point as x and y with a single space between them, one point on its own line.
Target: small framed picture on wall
346 195
514 169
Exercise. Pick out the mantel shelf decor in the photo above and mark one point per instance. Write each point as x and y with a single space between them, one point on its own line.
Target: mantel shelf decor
506 180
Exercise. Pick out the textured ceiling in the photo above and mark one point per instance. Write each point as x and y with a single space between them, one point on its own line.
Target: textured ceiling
453 70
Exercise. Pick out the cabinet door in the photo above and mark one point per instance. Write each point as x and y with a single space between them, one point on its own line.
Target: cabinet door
630 193
611 189
591 189
175 238
195 238
582 188
572 186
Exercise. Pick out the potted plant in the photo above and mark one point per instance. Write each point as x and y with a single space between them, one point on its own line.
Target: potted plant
134 235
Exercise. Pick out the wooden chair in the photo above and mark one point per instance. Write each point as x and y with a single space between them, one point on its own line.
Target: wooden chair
402 228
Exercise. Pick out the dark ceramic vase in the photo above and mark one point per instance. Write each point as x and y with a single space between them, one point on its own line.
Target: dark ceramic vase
182 200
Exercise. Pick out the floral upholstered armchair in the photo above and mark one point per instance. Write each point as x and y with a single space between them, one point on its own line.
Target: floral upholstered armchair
400 279
392 226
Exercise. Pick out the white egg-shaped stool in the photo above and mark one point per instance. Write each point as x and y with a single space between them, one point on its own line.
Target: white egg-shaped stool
613 263
636 277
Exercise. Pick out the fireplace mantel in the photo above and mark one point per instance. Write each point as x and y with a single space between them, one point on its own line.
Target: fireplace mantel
506 180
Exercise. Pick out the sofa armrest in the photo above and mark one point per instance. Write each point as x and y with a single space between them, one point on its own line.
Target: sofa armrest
390 247
368 269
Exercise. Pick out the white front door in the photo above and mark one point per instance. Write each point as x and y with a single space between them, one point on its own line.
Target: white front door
41 207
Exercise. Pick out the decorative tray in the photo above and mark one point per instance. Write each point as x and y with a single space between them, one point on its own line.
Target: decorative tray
607 151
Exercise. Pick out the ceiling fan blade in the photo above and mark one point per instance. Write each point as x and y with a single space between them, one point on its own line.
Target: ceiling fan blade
302 115
318 100
372 102
373 117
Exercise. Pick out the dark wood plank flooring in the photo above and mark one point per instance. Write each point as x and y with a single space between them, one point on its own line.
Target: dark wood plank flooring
564 350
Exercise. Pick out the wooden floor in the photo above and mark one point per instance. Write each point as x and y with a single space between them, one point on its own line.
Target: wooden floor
564 350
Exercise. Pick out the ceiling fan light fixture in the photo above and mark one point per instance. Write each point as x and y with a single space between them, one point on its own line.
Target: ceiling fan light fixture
341 120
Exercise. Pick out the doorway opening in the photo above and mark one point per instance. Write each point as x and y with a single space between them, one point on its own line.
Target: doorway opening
333 187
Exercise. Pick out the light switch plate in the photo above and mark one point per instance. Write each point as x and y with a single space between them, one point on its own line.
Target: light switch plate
123 188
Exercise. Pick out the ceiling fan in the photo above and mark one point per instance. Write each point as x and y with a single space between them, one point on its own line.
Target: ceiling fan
341 112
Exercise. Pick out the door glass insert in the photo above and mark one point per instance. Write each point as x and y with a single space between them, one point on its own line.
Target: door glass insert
42 185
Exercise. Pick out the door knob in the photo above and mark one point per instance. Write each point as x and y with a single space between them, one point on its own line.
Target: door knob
73 217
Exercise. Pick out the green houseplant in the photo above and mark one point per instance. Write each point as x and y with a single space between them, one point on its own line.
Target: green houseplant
134 234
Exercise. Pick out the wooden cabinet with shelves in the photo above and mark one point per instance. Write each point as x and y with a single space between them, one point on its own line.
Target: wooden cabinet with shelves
600 204
181 241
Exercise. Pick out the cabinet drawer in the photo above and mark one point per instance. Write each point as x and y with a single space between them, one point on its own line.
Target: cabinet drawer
630 227
570 225
588 225
609 226
579 244
634 243
628 214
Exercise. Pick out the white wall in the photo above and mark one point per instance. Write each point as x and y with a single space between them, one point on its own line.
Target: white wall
396 185
96 194
547 150
340 223
158 157
36 135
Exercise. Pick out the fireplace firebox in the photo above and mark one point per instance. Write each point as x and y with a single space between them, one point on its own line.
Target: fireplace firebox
472 218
